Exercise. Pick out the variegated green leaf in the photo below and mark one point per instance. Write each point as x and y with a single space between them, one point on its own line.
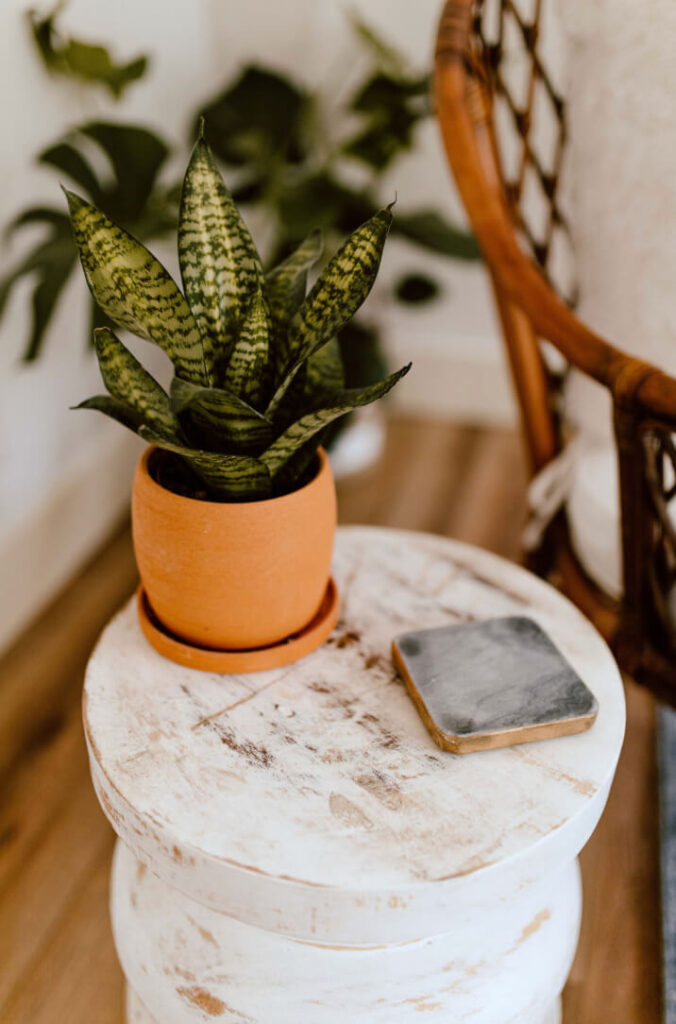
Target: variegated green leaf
128 381
336 296
248 371
324 371
313 384
230 477
220 266
222 416
135 290
115 408
293 400
300 432
285 290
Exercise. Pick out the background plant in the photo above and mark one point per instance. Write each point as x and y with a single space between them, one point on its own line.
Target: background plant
258 374
270 134
132 196
274 135
89 62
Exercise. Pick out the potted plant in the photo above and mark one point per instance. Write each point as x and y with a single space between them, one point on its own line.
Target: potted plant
233 508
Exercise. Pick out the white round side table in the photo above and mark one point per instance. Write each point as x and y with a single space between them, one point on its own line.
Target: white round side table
293 847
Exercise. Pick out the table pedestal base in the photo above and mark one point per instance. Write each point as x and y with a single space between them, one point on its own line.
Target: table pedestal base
137 1013
504 962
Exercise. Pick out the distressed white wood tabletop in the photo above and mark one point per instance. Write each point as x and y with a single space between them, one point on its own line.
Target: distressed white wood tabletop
319 782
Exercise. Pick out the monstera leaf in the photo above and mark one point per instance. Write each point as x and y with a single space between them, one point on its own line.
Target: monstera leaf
391 106
265 124
49 265
88 62
132 197
416 288
384 55
430 230
259 118
319 201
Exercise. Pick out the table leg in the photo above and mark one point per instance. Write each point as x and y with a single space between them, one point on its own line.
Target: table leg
137 1013
554 1017
499 964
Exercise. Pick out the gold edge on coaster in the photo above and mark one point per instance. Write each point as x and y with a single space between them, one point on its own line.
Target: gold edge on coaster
488 740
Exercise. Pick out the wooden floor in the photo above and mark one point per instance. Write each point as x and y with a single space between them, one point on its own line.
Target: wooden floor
57 962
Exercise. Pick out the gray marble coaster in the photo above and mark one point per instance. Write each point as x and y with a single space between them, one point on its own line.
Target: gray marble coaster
489 684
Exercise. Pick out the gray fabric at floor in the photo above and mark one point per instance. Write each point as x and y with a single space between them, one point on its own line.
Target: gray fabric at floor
667 765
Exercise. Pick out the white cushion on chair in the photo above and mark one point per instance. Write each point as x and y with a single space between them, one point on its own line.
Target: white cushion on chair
593 515
620 100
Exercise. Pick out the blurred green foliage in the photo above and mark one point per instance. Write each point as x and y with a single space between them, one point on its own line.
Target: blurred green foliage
131 195
89 62
276 141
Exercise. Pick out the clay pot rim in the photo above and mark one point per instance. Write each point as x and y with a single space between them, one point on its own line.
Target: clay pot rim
324 468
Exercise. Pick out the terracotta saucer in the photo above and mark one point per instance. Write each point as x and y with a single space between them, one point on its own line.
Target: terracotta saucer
256 659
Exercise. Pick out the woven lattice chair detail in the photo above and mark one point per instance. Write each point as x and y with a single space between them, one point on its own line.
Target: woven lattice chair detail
493 80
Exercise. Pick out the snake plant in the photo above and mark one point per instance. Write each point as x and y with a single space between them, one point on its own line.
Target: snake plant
257 369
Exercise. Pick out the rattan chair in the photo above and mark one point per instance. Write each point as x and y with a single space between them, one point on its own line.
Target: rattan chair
469 84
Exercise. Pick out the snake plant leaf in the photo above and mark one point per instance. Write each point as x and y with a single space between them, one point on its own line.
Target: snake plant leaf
293 400
136 292
132 197
222 416
220 266
336 296
248 369
115 408
300 432
313 384
324 371
231 477
285 287
128 381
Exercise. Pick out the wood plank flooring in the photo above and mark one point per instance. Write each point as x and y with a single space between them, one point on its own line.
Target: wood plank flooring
57 962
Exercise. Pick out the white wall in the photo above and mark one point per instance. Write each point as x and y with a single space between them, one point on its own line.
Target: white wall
64 477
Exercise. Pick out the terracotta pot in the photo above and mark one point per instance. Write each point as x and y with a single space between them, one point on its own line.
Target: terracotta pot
234 576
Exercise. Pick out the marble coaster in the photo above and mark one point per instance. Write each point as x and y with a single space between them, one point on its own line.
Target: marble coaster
489 684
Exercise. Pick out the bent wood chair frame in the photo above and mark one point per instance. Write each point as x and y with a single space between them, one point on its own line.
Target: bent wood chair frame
468 77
